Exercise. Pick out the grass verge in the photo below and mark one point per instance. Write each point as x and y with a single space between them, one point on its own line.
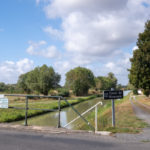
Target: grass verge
126 120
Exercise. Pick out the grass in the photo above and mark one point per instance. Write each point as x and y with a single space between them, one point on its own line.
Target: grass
126 120
10 115
143 99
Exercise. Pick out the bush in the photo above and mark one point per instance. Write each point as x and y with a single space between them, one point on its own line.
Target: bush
146 92
135 91
63 92
53 93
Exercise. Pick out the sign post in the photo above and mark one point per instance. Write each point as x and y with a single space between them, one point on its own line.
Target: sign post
112 95
113 110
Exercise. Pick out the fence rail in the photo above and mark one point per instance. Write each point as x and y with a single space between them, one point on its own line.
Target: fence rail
59 98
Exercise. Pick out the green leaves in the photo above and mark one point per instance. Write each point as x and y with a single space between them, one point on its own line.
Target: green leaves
106 83
140 63
79 80
39 80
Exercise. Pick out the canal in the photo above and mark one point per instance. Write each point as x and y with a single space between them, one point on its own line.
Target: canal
67 115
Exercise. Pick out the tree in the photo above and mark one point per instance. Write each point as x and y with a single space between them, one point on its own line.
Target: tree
41 80
2 87
139 75
106 83
79 80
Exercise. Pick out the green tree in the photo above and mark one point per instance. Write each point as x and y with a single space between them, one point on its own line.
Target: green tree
139 75
79 80
106 83
41 80
3 87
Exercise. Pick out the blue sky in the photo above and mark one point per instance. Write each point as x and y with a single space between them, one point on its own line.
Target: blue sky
96 34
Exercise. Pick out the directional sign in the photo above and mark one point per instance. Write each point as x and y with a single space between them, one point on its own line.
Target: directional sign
3 103
113 94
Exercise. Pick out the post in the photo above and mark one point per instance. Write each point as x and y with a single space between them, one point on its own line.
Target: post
26 112
113 110
59 109
95 118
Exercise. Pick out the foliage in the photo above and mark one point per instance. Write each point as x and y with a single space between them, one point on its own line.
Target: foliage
3 87
135 91
63 92
106 83
140 63
119 87
9 88
130 87
79 80
39 80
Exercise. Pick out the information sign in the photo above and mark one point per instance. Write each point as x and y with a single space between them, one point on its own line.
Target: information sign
113 94
3 102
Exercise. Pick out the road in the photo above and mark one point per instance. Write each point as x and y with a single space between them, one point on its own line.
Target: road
23 140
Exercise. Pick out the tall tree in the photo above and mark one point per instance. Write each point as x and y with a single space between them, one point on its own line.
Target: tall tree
79 80
140 63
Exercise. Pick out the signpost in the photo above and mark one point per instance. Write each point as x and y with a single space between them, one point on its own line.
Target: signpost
3 102
113 95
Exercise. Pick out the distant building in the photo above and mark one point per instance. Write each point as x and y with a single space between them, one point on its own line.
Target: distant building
140 92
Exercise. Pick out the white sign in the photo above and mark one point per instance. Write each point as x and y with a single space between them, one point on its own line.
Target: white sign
1 96
3 103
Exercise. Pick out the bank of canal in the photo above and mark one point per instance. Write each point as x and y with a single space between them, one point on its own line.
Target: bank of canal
67 115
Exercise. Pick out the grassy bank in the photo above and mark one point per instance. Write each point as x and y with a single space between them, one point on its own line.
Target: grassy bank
10 115
126 121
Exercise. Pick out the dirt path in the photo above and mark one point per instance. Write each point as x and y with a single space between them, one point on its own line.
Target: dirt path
142 111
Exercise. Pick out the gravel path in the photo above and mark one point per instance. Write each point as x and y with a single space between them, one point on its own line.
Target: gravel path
142 111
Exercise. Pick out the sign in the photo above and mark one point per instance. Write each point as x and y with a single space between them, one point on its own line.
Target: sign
113 94
1 96
3 102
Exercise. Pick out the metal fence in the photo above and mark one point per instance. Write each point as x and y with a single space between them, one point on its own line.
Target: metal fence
59 98
26 108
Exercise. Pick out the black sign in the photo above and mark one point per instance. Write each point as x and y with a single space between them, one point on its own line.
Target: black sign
113 94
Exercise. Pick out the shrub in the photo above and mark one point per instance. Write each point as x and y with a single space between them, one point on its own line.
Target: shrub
63 92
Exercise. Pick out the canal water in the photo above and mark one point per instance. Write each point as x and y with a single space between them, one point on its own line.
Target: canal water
67 115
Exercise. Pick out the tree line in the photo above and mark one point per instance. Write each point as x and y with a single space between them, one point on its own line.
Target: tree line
44 79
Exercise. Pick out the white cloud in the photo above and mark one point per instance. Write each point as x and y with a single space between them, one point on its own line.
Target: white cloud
134 48
58 9
39 1
97 28
110 65
53 32
11 70
95 31
41 49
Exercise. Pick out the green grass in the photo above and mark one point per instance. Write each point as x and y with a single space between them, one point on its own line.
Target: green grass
10 115
126 121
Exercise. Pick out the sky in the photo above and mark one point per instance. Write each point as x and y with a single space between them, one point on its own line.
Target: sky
100 35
